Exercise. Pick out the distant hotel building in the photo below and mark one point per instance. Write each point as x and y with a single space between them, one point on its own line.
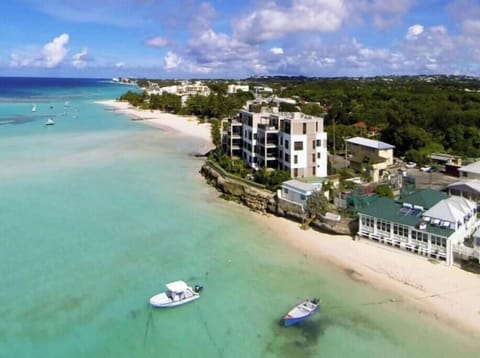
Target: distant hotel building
289 141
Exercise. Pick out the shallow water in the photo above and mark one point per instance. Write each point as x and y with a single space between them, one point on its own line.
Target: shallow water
99 212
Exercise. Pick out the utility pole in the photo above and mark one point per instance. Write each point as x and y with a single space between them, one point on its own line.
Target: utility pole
334 148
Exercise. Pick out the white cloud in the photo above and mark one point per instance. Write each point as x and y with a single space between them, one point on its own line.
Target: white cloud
120 65
273 21
54 52
277 50
80 59
157 41
51 55
172 61
414 31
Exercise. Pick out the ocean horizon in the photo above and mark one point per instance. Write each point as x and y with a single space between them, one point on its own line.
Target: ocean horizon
99 212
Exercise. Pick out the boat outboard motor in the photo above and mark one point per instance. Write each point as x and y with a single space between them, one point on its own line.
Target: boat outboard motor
198 288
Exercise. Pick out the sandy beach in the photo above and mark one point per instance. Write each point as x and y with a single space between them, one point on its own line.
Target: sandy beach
183 125
449 294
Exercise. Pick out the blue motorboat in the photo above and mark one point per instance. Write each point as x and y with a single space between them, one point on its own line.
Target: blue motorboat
301 312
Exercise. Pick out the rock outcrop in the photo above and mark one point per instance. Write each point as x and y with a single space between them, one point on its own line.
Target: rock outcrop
264 201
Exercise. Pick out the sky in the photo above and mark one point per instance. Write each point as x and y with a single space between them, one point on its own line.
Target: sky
235 39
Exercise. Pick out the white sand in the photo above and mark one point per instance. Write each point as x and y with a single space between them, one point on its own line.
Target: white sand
449 294
184 125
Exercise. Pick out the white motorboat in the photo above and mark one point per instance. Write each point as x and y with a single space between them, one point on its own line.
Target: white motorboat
177 293
34 108
49 122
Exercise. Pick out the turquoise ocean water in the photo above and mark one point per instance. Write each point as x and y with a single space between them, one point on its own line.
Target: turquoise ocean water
98 212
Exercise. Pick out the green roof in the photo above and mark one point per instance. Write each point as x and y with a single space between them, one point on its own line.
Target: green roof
389 210
426 198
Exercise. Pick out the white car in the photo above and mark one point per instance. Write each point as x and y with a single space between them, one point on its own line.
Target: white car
410 165
426 168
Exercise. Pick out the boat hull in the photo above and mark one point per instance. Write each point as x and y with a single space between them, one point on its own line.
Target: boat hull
301 312
162 301
290 321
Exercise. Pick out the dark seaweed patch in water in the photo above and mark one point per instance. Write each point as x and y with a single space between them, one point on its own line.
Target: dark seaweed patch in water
17 120
299 340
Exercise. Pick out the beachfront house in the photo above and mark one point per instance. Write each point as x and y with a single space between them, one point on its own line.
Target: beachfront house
427 222
297 192
369 155
267 138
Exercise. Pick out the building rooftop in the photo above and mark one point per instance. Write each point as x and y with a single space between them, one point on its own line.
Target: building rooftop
371 143
472 184
425 198
389 210
471 168
301 186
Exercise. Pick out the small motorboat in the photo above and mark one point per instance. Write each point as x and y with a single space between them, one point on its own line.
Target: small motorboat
301 312
176 294
49 122
34 108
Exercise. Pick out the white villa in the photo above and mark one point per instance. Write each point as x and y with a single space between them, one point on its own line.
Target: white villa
427 222
297 192
237 88
184 90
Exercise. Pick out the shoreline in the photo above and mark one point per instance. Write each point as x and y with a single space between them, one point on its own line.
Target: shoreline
184 125
449 295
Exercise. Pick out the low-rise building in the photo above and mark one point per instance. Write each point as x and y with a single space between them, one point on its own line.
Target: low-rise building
469 189
371 155
237 88
427 222
471 171
298 192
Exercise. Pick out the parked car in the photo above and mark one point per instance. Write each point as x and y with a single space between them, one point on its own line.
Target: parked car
410 165
426 168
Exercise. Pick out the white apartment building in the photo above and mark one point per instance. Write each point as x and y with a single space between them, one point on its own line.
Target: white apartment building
288 141
237 88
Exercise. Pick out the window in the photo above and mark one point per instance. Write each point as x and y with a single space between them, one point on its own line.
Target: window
304 128
281 140
298 145
319 143
287 157
314 172
254 135
313 144
295 172
319 155
295 159
285 190
286 143
303 197
313 157
316 126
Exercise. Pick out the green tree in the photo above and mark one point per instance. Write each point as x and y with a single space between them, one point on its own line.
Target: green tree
317 204
384 190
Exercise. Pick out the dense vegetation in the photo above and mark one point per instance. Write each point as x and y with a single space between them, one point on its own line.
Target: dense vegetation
217 105
419 115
